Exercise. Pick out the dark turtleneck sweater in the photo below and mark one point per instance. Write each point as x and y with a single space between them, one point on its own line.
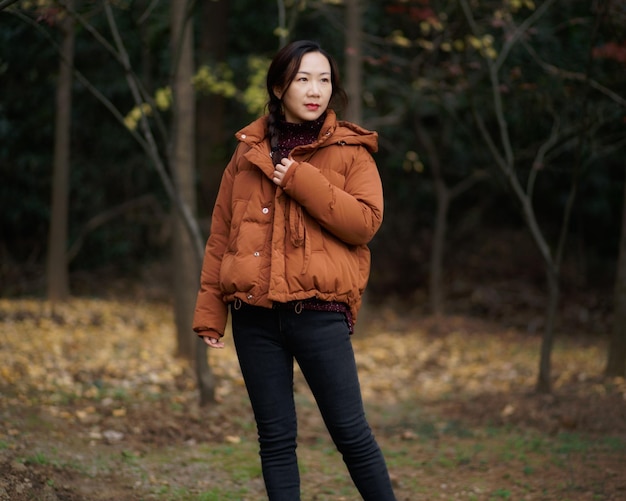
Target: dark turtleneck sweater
291 135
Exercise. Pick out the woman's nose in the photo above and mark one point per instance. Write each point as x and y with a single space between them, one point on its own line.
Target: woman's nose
314 89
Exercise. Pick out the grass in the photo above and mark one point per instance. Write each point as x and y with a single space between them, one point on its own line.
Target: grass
484 463
171 451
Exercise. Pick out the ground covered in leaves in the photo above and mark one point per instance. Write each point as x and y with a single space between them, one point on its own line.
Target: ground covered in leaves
94 406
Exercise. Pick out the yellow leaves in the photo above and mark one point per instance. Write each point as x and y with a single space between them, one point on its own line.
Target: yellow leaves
458 44
398 38
87 415
281 32
508 410
119 412
37 4
232 439
255 94
429 27
93 363
217 80
426 44
483 45
84 348
517 5
131 120
413 364
412 162
425 27
163 98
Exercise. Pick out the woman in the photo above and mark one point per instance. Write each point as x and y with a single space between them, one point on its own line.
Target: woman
297 205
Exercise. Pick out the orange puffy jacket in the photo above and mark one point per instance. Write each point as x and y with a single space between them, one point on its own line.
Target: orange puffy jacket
306 239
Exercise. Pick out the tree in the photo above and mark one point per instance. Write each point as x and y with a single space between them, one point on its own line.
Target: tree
211 108
431 108
57 264
182 163
445 195
186 265
354 59
616 357
570 132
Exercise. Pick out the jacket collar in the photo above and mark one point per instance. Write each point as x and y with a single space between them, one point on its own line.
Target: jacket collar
333 131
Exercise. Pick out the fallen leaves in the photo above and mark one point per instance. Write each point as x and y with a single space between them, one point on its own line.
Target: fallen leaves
83 348
105 357
100 378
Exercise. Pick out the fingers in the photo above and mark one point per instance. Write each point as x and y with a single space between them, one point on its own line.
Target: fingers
279 174
212 342
280 170
278 177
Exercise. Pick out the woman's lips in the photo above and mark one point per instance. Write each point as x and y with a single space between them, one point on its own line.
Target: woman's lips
312 107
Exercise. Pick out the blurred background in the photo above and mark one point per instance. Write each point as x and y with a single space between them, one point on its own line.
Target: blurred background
502 140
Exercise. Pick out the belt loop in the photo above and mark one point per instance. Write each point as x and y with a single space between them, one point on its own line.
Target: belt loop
237 303
298 307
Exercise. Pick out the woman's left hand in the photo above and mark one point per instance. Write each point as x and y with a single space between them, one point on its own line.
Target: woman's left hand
280 170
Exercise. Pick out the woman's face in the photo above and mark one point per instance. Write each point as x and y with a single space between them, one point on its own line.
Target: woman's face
308 95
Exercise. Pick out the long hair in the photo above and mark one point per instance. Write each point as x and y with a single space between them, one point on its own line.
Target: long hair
283 70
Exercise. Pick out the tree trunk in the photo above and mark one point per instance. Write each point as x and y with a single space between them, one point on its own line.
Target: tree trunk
438 249
435 290
616 356
354 59
544 380
185 267
210 161
354 89
57 264
211 133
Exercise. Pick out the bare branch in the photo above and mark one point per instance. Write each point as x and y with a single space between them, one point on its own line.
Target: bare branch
468 182
106 216
153 151
571 75
541 154
495 90
520 30
502 164
111 50
7 3
148 11
83 80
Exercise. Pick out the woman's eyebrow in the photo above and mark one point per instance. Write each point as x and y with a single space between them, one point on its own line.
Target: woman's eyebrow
309 73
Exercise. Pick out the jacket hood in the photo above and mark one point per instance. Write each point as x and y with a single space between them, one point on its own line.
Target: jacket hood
333 131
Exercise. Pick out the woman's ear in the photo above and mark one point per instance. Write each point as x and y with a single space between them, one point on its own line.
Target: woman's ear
278 92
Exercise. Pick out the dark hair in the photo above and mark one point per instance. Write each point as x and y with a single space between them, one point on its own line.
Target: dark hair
283 70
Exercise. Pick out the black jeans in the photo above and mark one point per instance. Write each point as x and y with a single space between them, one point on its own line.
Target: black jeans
267 342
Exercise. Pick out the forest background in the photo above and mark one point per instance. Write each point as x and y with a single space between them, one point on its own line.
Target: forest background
501 152
501 146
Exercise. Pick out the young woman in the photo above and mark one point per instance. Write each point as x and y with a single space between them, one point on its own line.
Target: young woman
297 205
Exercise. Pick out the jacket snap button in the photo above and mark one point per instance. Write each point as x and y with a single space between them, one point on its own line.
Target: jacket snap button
250 296
243 136
257 254
265 210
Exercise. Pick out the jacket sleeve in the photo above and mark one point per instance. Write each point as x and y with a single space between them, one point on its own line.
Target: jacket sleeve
353 214
211 312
